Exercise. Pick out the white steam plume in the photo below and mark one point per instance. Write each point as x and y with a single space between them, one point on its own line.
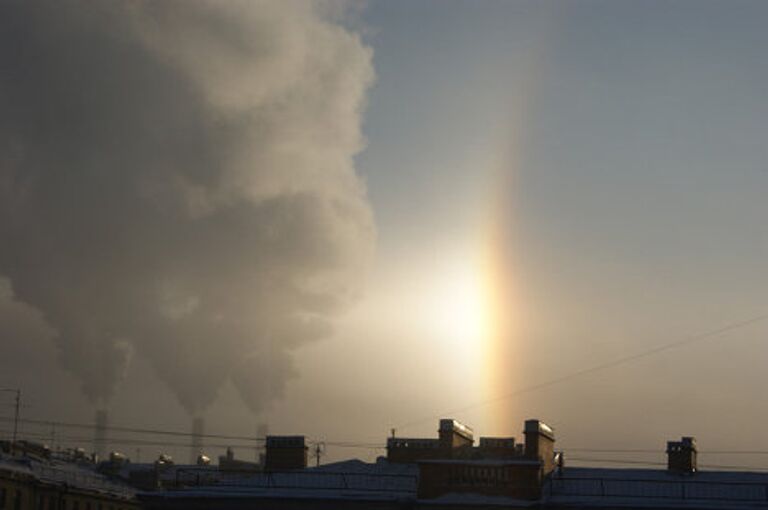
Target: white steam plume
177 179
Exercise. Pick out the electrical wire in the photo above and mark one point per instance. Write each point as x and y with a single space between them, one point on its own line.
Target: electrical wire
596 368
111 428
146 442
526 389
700 452
653 463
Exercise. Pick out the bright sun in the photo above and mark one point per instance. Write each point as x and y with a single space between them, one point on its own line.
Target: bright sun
458 307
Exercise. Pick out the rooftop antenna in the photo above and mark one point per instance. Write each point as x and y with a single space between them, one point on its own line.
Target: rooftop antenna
16 412
319 450
262 430
16 416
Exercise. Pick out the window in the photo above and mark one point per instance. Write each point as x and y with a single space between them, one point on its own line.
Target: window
76 505
2 497
17 500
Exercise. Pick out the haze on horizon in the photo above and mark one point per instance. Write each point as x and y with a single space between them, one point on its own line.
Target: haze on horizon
339 218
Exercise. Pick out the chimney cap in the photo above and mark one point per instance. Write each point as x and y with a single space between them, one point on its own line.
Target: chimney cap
539 427
451 425
685 443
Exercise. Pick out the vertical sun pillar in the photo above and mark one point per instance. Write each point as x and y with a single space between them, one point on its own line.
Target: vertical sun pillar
502 335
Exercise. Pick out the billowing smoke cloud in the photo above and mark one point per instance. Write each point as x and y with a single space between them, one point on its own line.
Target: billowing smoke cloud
177 181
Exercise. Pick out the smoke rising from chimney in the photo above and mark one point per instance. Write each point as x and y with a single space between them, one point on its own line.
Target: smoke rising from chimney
177 181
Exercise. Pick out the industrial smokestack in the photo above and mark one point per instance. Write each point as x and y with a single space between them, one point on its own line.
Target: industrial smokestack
253 225
198 429
100 434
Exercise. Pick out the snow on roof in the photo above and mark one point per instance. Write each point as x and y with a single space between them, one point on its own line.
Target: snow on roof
214 492
340 480
169 472
326 480
8 465
382 466
663 474
639 488
58 472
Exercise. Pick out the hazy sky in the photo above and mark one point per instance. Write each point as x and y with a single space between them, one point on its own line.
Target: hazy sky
608 157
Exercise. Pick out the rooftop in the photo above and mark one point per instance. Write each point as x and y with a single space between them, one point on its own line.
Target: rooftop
351 479
57 472
640 488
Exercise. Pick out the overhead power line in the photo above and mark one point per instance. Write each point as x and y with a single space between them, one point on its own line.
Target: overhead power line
254 441
596 368
660 451
615 461
609 450
109 428
651 463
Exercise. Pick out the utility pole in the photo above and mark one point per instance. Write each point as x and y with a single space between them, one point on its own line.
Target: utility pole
16 416
16 413
319 450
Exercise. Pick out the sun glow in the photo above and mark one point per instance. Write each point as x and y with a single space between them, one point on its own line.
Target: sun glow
459 308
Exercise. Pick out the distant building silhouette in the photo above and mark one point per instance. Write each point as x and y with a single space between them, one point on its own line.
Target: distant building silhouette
286 453
681 455
450 471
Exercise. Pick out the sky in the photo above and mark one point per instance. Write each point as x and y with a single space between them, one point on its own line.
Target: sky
527 190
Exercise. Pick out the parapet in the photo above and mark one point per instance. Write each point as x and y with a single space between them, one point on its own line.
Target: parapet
285 442
539 427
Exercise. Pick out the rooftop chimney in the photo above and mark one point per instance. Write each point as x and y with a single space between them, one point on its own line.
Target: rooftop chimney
681 455
454 434
540 443
285 453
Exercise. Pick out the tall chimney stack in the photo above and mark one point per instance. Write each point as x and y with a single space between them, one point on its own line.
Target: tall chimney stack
453 434
198 429
681 456
540 444
286 453
100 433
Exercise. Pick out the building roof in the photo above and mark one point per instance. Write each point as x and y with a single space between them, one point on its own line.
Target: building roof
57 472
458 499
655 488
518 461
351 479
380 467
